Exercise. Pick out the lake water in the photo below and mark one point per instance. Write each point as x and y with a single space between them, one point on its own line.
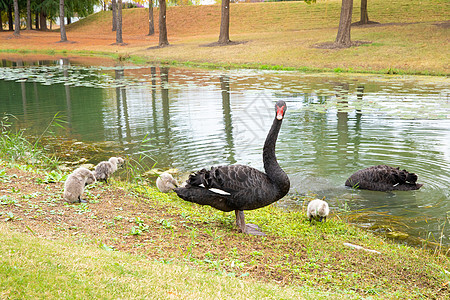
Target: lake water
188 119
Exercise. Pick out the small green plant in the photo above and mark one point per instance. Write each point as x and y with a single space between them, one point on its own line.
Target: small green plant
53 176
140 228
118 218
83 208
166 224
5 200
4 177
11 217
15 190
107 248
31 196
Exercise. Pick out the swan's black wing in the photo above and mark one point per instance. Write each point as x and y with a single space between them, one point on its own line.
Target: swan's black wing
229 188
231 179
383 178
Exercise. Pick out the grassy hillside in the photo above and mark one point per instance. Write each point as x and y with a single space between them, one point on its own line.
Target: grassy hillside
266 17
284 35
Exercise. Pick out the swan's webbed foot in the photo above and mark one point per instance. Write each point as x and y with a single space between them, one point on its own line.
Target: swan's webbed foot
253 230
246 228
81 200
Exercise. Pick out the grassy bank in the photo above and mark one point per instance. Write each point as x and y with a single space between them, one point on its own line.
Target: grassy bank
408 40
130 241
34 268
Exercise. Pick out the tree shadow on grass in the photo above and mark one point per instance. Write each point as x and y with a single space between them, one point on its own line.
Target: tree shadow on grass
217 44
334 45
66 42
158 47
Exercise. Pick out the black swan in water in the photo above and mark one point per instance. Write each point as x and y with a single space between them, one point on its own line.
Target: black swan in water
238 187
383 178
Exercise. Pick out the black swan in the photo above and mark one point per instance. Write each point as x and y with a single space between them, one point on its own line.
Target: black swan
317 210
383 178
238 187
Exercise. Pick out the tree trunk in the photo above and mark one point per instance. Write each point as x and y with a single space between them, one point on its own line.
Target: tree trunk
10 18
163 41
62 28
43 20
1 21
119 23
114 14
29 21
364 15
16 18
151 25
345 22
36 20
69 20
224 36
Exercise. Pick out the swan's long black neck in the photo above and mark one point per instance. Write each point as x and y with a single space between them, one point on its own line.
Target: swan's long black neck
276 174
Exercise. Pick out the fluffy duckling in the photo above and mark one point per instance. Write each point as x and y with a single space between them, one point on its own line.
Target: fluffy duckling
166 182
75 183
105 168
317 210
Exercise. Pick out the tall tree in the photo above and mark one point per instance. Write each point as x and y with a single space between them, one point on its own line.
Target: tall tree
364 15
119 39
42 16
364 19
3 7
36 20
224 36
345 22
114 14
28 14
163 41
10 17
151 25
16 18
62 27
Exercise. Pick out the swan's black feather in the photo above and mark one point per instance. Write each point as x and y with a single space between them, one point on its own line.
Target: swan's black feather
383 178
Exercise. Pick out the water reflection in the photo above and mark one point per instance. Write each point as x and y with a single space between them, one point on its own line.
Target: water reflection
190 119
227 119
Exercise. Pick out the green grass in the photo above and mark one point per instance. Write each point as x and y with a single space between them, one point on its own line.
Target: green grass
14 147
33 268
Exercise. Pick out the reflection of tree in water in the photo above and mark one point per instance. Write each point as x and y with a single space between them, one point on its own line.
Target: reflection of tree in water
342 123
161 132
226 107
164 73
65 62
121 100
154 112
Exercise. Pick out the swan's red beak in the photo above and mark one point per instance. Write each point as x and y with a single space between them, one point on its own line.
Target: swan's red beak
280 112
